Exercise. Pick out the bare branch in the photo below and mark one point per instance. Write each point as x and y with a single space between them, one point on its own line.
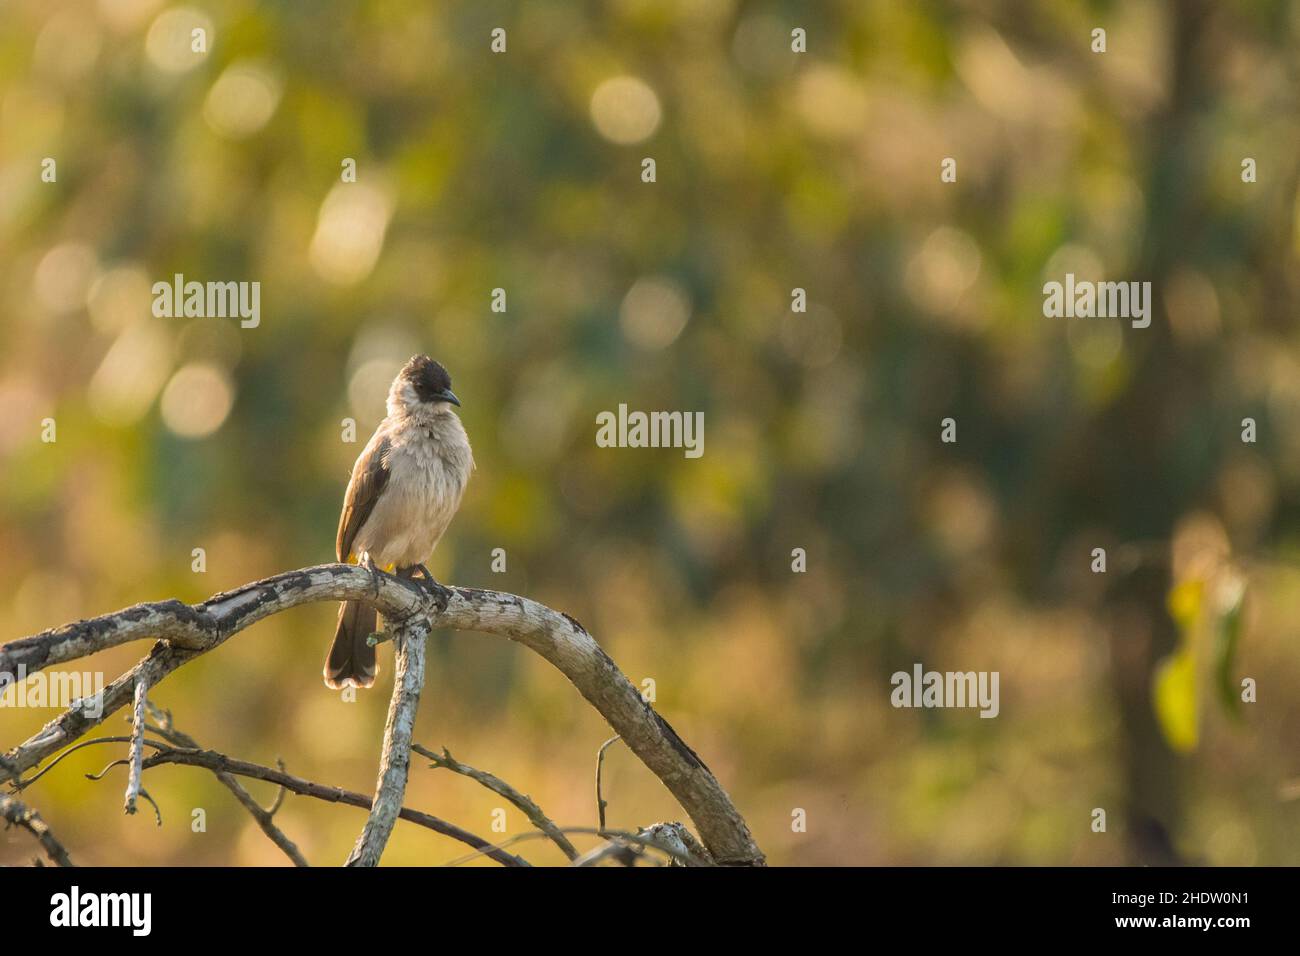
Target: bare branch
395 761
226 767
173 621
503 789
190 631
137 741
20 815
220 617
679 842
601 804
642 838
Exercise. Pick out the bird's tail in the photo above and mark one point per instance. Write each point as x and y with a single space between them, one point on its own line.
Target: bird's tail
351 658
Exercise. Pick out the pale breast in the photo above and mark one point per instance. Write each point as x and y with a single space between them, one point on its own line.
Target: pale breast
429 465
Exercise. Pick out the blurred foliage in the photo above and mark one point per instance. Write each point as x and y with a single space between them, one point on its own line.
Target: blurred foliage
775 171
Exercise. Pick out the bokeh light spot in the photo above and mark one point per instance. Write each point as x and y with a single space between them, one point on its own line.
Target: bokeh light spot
625 110
197 400
654 312
169 44
242 100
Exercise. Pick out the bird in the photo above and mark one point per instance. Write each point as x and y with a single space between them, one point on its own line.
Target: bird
405 488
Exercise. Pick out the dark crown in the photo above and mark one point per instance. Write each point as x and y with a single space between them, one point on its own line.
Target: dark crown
426 376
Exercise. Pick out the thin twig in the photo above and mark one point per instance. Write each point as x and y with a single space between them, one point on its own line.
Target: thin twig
214 761
278 802
503 789
600 766
265 818
157 811
103 772
137 742
219 764
20 785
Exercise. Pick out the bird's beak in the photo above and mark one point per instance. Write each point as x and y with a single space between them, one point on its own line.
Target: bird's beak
447 395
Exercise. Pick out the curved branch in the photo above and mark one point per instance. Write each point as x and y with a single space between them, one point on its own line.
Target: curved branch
188 631
567 645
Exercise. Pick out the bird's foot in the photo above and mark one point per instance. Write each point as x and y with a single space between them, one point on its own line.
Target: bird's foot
440 594
367 562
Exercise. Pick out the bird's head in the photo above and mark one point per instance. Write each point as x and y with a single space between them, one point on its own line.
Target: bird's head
421 384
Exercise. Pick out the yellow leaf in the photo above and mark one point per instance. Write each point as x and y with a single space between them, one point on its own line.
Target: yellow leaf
1185 602
1175 700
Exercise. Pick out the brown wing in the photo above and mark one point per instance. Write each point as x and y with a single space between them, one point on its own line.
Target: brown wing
369 476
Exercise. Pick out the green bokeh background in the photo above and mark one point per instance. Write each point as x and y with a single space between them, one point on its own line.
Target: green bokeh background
775 171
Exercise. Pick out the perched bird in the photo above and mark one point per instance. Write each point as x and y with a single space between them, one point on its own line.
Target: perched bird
405 487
